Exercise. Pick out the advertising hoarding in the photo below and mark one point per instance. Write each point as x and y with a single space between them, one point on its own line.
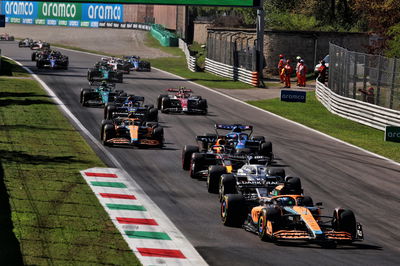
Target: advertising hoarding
61 13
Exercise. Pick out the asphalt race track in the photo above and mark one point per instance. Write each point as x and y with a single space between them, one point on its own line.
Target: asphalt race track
331 172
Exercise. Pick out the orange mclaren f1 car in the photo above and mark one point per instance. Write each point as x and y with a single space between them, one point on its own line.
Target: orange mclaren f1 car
291 217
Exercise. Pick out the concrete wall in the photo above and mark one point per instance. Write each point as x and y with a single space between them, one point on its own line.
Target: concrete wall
311 46
200 31
138 13
166 15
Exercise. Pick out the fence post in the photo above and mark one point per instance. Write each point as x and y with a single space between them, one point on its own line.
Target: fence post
355 77
378 85
366 71
393 82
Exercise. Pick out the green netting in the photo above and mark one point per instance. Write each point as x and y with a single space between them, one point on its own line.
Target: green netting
165 37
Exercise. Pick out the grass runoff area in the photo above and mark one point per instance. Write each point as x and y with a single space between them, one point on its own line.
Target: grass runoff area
49 215
314 115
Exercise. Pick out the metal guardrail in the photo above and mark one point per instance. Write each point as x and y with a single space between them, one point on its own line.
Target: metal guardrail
365 113
235 73
190 60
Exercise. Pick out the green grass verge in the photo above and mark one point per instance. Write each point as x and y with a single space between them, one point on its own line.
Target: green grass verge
56 218
314 115
8 68
177 65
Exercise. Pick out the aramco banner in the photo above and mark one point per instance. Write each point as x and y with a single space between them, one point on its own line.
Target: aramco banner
231 3
61 13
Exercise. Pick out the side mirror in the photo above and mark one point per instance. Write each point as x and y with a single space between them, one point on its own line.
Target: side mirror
318 204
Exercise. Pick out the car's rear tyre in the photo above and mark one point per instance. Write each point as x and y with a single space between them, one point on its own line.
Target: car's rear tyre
308 201
233 210
159 99
280 172
196 164
293 185
266 148
153 114
165 104
187 152
108 111
214 176
108 133
227 185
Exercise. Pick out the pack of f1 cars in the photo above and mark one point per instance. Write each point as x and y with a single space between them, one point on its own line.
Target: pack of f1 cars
131 131
137 64
291 217
128 105
52 60
181 101
102 71
6 37
99 94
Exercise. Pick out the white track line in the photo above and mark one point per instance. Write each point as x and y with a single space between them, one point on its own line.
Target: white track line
265 111
193 256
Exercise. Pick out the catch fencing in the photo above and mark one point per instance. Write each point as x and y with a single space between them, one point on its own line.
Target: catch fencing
365 113
190 60
232 55
352 74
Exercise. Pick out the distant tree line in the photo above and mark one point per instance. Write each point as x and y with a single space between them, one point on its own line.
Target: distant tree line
381 17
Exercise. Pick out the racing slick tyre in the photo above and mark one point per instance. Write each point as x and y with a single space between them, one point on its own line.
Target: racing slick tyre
214 176
149 106
227 185
158 134
308 201
203 105
159 99
108 111
267 220
196 164
33 57
187 152
344 220
233 210
292 186
152 114
84 97
108 133
266 148
165 104
277 172
90 75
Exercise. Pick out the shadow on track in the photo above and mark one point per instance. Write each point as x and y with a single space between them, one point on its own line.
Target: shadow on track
10 252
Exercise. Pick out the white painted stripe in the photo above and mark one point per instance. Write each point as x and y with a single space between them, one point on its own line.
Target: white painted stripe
179 242
265 111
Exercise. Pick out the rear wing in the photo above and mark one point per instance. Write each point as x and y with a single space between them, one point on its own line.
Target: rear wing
234 127
177 90
98 83
207 139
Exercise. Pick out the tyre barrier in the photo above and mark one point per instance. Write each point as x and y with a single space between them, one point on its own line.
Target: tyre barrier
190 60
125 25
364 113
235 73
